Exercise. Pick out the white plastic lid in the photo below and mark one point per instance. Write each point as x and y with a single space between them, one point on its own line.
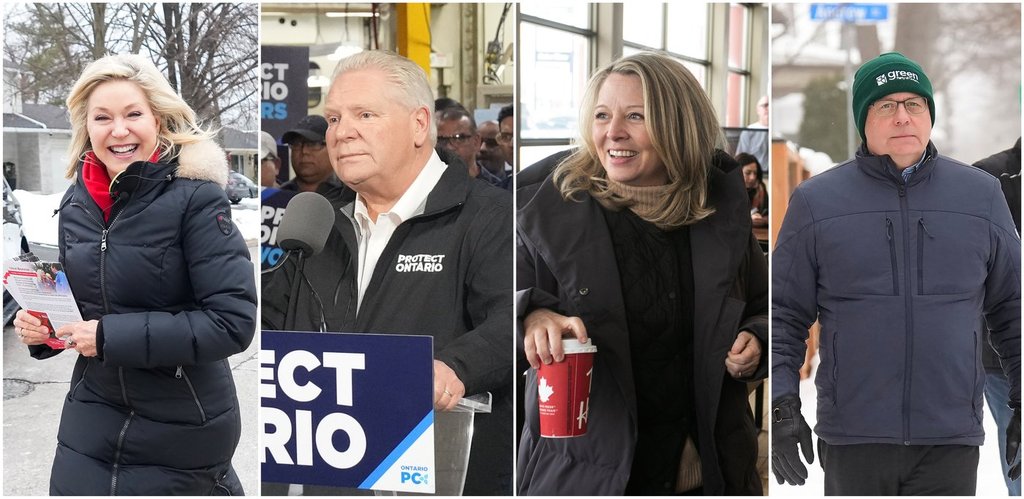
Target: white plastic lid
572 345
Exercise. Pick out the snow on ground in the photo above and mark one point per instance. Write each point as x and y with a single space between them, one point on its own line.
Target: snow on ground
40 226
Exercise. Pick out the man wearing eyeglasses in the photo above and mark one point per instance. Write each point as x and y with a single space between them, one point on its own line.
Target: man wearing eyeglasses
491 158
456 131
307 149
896 253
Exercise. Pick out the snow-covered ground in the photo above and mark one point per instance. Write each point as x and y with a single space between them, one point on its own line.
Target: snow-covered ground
40 226
990 473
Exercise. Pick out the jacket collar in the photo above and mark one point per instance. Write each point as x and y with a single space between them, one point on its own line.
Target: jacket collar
882 167
450 192
203 160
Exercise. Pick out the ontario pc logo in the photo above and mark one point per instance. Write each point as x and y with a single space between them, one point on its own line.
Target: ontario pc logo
417 475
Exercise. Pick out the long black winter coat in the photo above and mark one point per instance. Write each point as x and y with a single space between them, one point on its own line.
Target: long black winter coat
169 279
566 262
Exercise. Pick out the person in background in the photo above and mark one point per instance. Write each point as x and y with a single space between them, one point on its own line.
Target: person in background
309 158
456 131
753 178
754 140
164 284
506 127
270 164
491 157
1005 166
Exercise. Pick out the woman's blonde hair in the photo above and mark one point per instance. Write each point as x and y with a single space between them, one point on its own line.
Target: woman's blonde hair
683 128
178 124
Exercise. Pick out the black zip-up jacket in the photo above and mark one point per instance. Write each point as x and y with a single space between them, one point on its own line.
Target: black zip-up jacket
170 280
898 276
1005 166
466 307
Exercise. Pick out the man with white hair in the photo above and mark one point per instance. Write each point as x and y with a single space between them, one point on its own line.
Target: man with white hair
401 203
754 140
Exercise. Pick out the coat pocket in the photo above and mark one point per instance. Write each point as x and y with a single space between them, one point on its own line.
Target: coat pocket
858 255
182 375
952 255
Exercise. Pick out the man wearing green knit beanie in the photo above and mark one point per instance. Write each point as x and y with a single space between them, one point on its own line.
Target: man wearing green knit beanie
899 251
895 93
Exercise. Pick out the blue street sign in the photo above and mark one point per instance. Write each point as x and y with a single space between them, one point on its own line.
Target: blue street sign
348 410
850 12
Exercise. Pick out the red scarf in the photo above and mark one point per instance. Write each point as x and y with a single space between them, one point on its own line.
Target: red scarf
97 180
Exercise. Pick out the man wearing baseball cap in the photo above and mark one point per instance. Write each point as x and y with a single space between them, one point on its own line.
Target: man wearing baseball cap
309 157
896 253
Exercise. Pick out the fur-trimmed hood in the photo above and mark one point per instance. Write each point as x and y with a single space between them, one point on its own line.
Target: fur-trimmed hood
204 160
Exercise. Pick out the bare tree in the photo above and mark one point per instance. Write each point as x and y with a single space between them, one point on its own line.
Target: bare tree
207 51
215 72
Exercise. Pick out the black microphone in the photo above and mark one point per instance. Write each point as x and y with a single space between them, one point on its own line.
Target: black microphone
305 227
306 224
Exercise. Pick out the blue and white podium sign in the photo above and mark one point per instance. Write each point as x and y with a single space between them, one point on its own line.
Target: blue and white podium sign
347 410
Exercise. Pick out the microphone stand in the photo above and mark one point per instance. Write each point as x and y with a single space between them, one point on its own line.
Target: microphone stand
293 298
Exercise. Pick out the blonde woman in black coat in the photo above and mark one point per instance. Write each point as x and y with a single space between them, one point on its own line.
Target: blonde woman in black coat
164 282
639 244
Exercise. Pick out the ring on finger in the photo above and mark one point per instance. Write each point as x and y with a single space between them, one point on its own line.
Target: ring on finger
446 392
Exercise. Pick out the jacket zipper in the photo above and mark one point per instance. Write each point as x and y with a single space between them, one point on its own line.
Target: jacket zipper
117 452
892 257
835 368
181 373
105 229
908 368
84 371
974 371
922 230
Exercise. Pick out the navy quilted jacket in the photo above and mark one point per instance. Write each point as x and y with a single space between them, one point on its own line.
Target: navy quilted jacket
898 276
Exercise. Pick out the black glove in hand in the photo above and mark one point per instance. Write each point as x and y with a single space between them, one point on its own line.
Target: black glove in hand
788 430
1013 445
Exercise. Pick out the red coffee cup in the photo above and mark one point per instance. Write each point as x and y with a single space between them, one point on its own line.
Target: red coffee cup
563 391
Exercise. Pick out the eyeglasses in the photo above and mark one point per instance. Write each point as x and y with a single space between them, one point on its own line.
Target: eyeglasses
309 146
457 139
913 105
505 137
490 141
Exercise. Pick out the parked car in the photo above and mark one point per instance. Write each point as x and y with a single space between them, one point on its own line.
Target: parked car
239 186
14 243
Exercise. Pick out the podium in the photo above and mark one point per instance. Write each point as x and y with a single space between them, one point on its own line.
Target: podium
453 439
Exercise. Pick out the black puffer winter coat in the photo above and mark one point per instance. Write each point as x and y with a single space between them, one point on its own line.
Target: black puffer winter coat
170 280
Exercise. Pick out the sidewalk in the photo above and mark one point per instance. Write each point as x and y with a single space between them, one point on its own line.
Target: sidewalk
34 393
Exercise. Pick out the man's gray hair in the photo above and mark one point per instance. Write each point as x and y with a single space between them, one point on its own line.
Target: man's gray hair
409 78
